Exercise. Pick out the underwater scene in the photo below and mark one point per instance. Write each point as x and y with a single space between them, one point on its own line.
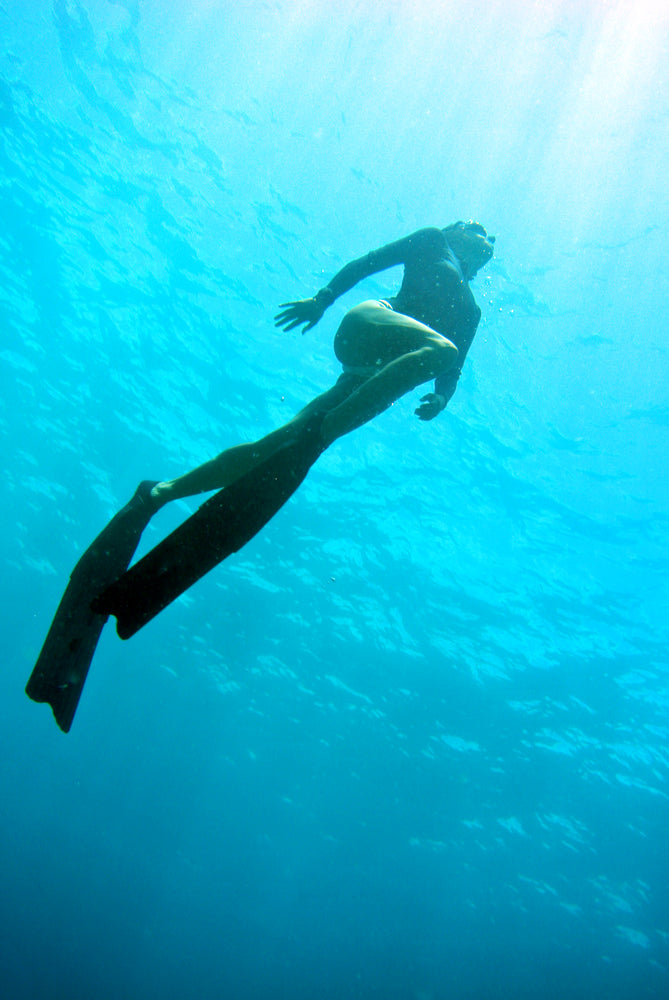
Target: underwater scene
407 736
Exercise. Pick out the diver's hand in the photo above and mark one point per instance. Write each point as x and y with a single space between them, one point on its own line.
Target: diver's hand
430 406
307 311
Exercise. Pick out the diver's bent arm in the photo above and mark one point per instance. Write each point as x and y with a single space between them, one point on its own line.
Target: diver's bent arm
445 385
425 243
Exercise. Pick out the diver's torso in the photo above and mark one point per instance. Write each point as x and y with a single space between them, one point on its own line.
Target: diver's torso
436 293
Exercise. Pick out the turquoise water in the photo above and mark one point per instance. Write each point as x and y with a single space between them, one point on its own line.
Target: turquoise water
412 741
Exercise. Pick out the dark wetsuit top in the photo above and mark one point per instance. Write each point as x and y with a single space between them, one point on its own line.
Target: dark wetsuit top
434 291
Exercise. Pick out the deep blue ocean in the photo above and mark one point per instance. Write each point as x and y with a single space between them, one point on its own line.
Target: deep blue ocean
411 743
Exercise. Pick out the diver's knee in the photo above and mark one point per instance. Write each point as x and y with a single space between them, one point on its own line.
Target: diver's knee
443 354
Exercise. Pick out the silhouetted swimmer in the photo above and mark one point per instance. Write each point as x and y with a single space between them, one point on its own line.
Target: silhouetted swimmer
386 348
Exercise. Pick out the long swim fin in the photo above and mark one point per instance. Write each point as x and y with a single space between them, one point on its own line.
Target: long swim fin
61 669
221 526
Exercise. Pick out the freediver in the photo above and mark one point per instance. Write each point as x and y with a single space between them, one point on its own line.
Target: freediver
386 348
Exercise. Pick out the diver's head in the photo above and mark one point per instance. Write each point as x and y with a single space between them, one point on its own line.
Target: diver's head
471 245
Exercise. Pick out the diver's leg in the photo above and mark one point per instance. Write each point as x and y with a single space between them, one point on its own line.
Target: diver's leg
405 353
378 393
234 462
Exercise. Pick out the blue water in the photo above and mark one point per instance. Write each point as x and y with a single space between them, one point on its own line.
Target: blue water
412 741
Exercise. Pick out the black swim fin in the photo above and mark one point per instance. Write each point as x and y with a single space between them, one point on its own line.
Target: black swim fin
221 526
61 669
